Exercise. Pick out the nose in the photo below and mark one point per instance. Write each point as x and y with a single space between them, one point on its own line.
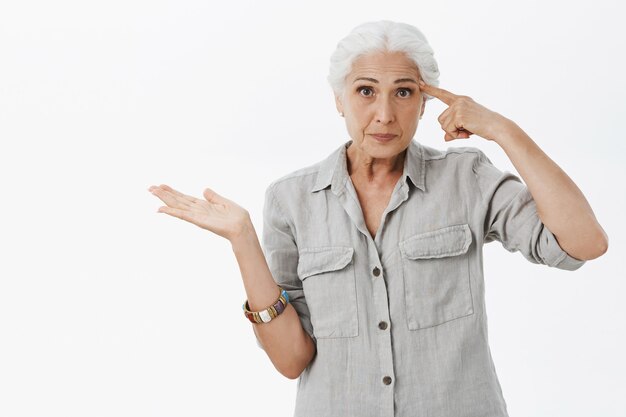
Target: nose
384 111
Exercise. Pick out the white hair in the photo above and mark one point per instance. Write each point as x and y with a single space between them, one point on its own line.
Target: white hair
382 36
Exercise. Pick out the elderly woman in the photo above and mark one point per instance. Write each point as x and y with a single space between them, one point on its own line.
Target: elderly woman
368 286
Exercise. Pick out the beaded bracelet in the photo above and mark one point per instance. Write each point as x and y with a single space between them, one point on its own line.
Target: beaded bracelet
269 313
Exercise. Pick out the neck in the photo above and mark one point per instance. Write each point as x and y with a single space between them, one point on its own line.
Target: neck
373 170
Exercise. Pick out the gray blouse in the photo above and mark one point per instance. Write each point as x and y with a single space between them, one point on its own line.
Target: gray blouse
399 320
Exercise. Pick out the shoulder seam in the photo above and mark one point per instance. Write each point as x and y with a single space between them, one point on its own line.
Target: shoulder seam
282 212
292 176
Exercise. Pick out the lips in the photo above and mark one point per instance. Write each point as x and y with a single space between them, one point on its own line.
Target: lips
383 137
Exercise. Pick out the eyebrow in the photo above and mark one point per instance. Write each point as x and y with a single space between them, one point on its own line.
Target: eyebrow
401 80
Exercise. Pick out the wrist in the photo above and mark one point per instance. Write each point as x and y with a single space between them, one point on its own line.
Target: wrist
507 130
244 238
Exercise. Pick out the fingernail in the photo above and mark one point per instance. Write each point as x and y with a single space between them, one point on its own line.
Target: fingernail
421 83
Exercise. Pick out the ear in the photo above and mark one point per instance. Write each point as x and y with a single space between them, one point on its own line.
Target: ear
338 103
423 107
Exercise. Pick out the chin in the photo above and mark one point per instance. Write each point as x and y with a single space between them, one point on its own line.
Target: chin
385 150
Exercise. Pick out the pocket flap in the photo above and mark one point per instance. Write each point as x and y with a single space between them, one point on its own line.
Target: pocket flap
324 259
447 241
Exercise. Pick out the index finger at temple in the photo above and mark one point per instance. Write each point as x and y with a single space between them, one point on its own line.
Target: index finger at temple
442 94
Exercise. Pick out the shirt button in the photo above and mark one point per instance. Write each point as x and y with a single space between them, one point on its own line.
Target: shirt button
382 325
387 380
376 271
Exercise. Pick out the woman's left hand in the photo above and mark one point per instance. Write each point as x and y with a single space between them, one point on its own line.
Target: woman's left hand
464 117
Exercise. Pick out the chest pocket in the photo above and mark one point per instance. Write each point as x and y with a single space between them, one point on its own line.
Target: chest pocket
329 284
435 266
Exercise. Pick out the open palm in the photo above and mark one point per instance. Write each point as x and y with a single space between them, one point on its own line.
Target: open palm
216 214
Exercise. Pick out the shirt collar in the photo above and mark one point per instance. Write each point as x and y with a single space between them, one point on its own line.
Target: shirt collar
334 171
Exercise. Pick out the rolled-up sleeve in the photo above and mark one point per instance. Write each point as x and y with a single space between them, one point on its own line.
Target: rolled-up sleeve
281 254
511 217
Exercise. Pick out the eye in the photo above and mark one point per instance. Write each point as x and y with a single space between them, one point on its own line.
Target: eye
403 92
360 89
408 92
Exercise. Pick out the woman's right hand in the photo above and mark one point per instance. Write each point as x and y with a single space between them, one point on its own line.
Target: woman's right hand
216 214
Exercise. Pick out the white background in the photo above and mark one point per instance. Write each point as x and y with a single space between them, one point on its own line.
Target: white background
108 308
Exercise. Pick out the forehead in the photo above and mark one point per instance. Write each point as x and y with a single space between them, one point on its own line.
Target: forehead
383 64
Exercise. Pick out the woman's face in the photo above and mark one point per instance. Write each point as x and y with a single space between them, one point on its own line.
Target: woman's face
382 97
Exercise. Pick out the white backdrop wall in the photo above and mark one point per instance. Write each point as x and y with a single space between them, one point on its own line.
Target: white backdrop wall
108 308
